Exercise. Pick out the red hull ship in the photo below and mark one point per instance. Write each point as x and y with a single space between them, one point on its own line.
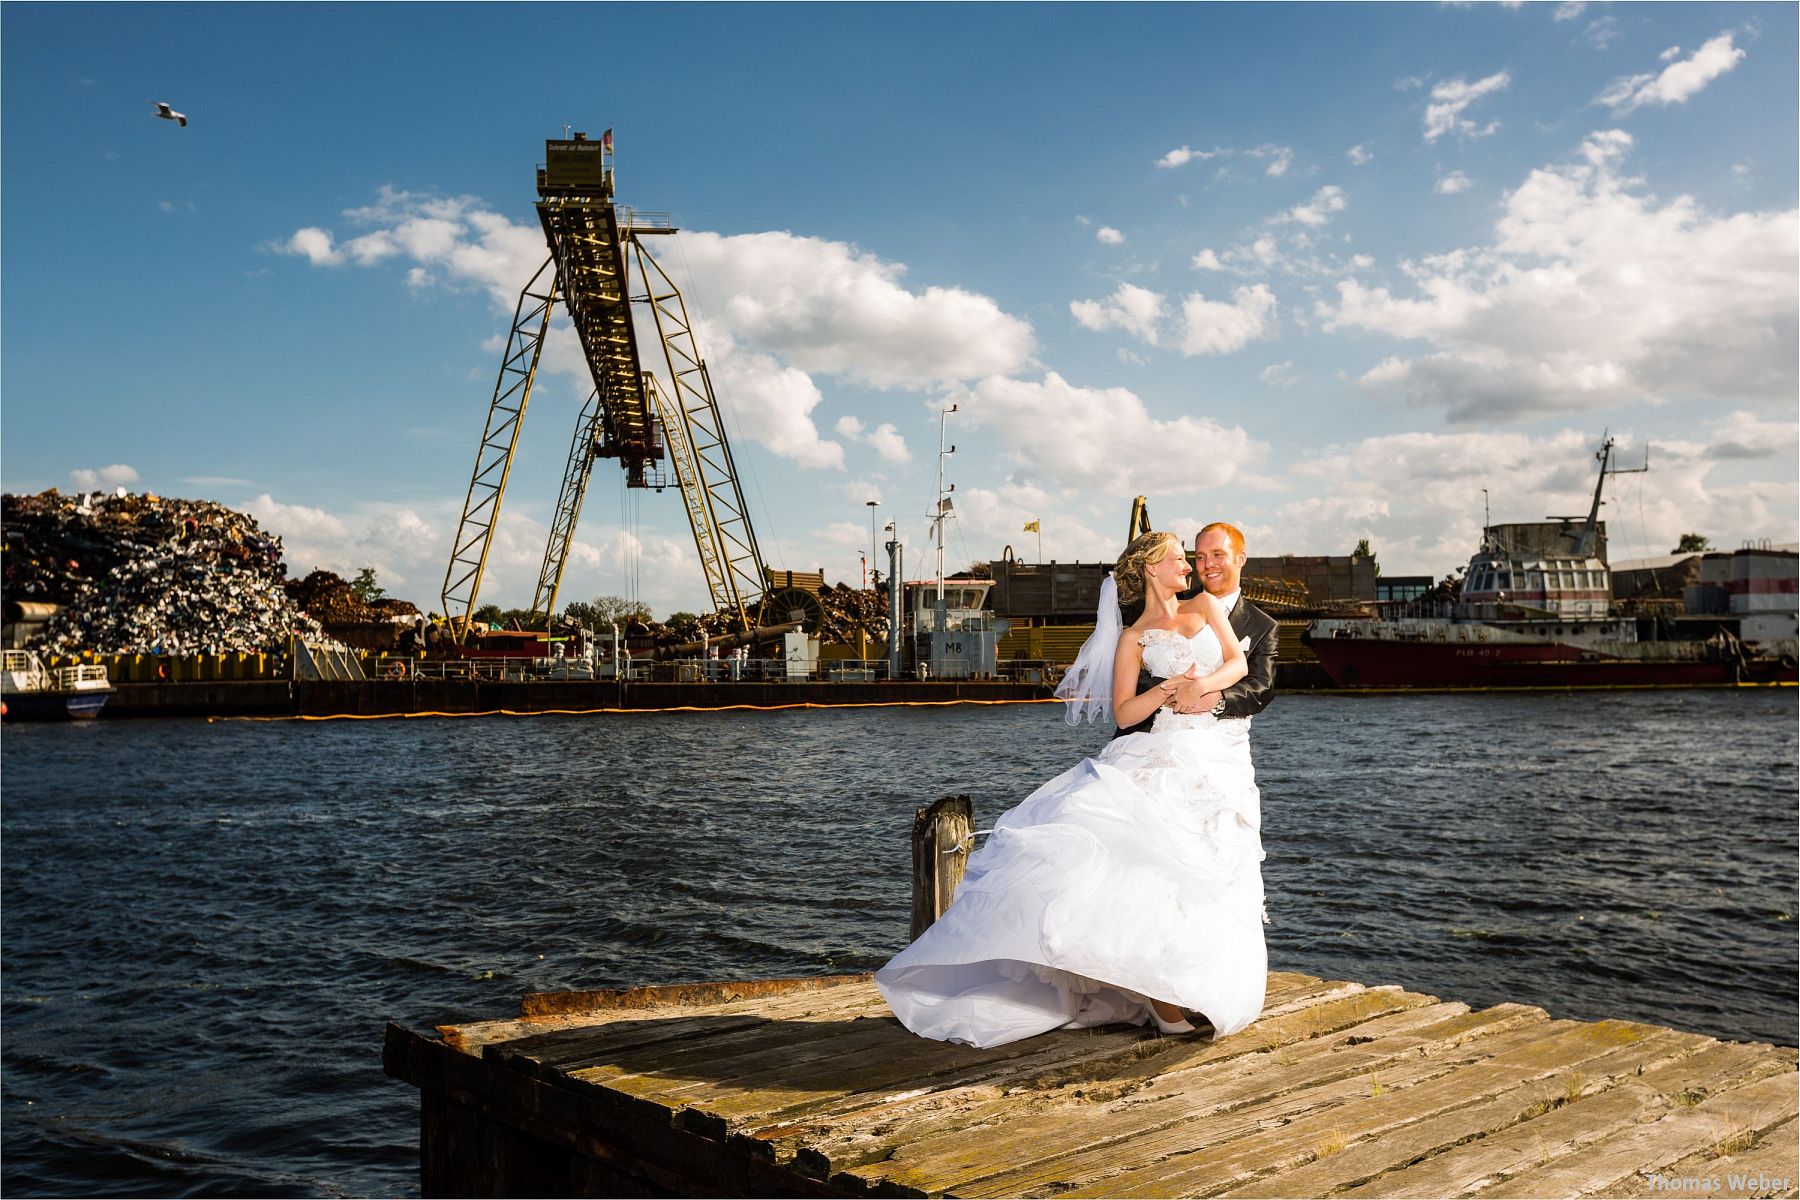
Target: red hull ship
1541 617
1402 661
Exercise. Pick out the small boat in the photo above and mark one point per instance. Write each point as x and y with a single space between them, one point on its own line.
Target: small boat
1541 616
29 691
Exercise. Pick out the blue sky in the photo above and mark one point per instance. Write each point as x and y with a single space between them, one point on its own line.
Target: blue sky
1326 271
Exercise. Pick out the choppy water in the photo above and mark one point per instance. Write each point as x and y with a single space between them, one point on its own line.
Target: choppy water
205 926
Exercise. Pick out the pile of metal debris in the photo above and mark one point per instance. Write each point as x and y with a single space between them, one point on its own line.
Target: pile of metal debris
144 574
834 614
848 610
331 600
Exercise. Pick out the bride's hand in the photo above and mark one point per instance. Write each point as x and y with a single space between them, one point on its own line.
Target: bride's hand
1175 684
1190 695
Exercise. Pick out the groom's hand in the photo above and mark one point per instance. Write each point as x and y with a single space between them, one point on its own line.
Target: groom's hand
1191 698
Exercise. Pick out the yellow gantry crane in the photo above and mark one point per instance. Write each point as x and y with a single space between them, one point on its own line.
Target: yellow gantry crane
597 257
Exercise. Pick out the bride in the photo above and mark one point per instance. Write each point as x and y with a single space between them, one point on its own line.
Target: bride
1128 888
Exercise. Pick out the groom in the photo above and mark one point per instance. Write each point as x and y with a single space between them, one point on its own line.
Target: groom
1219 561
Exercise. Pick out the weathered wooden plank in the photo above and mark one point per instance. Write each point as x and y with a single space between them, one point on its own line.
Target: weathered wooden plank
573 1026
811 1088
831 1057
910 1067
1769 1166
678 995
1236 1098
1373 1152
663 1046
1722 1119
616 1033
842 1139
1568 1125
1239 1108
1039 1065
1219 1164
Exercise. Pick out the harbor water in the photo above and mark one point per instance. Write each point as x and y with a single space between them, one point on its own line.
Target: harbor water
207 925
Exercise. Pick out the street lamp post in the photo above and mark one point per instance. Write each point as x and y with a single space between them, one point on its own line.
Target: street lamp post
943 508
896 567
873 559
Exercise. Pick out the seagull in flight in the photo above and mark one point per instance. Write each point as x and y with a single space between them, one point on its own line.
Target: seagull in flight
168 114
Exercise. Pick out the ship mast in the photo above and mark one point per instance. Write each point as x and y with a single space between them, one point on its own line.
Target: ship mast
1590 529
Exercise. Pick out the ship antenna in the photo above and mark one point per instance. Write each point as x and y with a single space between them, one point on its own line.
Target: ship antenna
1584 546
1591 530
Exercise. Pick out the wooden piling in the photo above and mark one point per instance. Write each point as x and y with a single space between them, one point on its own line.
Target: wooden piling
940 854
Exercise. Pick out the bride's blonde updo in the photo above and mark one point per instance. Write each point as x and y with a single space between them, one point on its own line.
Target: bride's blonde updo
1146 548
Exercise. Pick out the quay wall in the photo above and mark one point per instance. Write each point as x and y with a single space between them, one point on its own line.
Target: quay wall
396 697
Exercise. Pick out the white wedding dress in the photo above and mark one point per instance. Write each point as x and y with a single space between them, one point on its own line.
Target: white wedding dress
1134 875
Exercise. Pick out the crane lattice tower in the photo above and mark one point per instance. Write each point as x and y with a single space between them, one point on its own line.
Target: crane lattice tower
597 257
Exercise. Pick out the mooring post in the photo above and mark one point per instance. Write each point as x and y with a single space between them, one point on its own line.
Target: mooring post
940 852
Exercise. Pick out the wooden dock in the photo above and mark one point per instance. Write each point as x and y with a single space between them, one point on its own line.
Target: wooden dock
811 1088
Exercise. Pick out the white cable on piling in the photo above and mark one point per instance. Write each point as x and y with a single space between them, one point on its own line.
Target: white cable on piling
963 842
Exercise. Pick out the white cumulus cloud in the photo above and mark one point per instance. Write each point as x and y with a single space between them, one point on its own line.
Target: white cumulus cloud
1344 492
313 244
1217 327
884 439
1448 100
1453 183
1592 294
770 310
829 308
1109 236
89 479
1184 155
1104 440
297 521
1131 308
1678 81
1317 211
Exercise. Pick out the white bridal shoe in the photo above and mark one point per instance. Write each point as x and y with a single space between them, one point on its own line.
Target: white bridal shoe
1181 1025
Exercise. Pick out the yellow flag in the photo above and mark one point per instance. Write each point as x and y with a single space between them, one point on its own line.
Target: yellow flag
1031 527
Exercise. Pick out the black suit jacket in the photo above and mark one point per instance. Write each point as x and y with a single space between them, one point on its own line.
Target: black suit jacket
1249 695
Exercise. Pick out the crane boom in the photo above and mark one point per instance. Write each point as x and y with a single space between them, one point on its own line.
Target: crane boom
575 207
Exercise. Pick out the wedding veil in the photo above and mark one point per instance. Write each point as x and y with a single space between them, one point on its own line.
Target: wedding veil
1087 687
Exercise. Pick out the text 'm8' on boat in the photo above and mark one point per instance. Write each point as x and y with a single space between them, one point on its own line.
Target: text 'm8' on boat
1536 610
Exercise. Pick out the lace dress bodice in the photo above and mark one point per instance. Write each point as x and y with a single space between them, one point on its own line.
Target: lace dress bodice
1168 654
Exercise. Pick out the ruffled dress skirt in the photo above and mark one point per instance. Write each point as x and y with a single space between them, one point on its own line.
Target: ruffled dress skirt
1134 875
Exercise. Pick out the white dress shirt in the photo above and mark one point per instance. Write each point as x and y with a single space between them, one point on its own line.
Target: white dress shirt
1229 600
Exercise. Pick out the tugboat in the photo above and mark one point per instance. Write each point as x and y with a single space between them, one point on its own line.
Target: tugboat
1537 617
30 692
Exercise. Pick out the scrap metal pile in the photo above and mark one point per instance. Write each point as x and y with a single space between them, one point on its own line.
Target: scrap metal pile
843 611
848 610
331 600
143 574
